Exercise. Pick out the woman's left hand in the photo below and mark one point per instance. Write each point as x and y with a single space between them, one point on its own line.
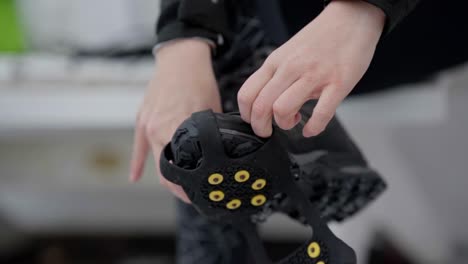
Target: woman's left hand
324 61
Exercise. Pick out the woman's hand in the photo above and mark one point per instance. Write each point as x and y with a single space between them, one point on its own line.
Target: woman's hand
323 61
183 83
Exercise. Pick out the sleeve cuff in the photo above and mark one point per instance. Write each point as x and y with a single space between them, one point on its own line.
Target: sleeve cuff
391 19
169 42
395 11
180 30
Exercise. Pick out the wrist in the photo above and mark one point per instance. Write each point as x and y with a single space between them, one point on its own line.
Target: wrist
360 13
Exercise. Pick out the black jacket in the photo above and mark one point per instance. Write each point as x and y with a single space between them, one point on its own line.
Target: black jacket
432 39
214 19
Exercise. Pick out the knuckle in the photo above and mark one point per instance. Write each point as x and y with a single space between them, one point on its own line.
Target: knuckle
152 128
244 98
311 66
290 68
335 78
295 62
272 58
338 83
310 78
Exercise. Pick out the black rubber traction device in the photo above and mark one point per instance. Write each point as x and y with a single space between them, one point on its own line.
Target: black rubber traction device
233 176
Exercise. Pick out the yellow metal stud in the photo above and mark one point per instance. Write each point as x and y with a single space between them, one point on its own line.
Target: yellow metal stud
215 179
259 184
242 176
258 200
216 196
234 204
313 250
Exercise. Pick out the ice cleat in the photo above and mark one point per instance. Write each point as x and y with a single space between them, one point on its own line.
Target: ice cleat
233 176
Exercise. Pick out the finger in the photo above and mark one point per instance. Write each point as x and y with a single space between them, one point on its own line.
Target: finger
324 111
262 108
251 88
139 154
179 192
286 107
173 188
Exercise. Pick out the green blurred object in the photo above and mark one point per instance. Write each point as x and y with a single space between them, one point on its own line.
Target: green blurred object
11 36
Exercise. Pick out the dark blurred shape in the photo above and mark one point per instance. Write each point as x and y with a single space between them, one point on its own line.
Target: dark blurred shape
117 53
12 241
108 249
92 249
53 255
384 251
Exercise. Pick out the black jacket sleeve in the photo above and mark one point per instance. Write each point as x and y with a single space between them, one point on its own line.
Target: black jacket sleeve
395 10
213 19
210 19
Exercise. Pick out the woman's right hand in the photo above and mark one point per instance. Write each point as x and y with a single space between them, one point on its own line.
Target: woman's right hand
183 82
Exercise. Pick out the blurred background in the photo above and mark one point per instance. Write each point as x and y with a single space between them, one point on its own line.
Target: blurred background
72 74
